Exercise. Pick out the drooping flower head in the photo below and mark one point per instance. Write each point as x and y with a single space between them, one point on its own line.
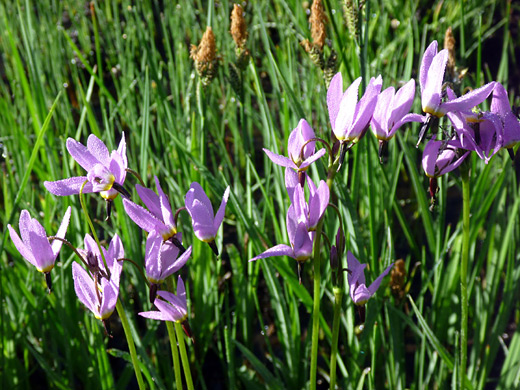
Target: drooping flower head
359 292
162 259
158 217
173 308
106 172
391 111
98 294
300 157
431 76
34 245
440 157
348 117
311 212
205 223
95 262
510 125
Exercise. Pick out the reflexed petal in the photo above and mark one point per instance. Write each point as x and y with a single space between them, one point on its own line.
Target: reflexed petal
278 250
22 248
500 102
357 270
379 121
402 102
84 287
511 131
360 294
318 203
56 244
301 210
280 160
181 293
334 95
100 177
117 167
469 100
69 186
302 244
375 284
142 217
347 109
150 200
196 192
121 150
426 62
429 159
166 209
219 217
25 226
177 263
431 94
306 134
153 268
291 181
312 158
405 119
156 315
81 154
98 149
109 299
202 221
40 247
367 103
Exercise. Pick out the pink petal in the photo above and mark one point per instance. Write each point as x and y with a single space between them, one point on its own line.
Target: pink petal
22 248
56 244
431 93
84 287
142 217
375 284
278 250
98 149
219 217
429 159
81 154
357 270
150 200
319 154
402 102
280 160
500 102
334 95
347 109
379 121
69 186
166 209
426 62
469 100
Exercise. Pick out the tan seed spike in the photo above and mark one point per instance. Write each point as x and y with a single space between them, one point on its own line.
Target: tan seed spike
317 21
449 43
238 26
205 52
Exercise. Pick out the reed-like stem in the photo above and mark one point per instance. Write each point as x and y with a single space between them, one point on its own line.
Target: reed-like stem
130 342
338 298
175 354
184 356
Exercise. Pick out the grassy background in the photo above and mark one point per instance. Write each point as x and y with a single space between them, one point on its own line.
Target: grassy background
125 67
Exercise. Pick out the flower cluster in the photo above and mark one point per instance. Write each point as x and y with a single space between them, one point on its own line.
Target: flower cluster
97 274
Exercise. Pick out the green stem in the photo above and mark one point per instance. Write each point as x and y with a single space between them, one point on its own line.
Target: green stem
465 174
338 297
130 341
175 354
184 356
317 290
316 305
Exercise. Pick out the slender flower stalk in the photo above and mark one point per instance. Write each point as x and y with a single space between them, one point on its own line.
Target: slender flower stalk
465 176
338 298
175 354
119 306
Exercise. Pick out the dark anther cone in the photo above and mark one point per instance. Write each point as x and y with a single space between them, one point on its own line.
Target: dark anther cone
108 204
48 280
382 149
106 325
153 292
361 312
213 247
433 192
122 190
424 129
301 178
178 244
186 327
511 153
300 271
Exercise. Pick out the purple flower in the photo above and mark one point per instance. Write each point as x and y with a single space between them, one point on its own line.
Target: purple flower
431 76
440 157
106 172
510 125
205 225
159 217
95 261
391 111
310 213
99 295
34 245
301 241
348 117
481 133
298 159
173 308
162 258
359 292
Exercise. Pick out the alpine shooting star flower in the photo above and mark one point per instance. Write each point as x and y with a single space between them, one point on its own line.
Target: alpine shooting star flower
300 157
358 290
34 245
106 172
205 223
